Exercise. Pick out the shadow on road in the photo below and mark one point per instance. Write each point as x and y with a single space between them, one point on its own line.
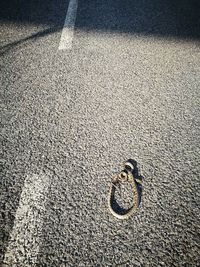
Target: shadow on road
165 18
33 37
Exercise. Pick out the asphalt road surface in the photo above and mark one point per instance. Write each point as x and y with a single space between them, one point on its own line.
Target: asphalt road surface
126 85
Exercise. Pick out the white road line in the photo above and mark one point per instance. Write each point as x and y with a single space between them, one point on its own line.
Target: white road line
27 231
68 28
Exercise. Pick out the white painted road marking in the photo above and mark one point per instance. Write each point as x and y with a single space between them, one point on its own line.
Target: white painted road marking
27 231
68 28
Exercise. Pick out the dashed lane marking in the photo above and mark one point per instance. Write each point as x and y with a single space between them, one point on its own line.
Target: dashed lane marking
27 231
68 28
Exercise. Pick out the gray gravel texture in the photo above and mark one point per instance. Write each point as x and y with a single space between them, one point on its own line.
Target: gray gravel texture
129 88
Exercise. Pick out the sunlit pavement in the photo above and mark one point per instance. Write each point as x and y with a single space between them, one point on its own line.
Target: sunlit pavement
127 88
